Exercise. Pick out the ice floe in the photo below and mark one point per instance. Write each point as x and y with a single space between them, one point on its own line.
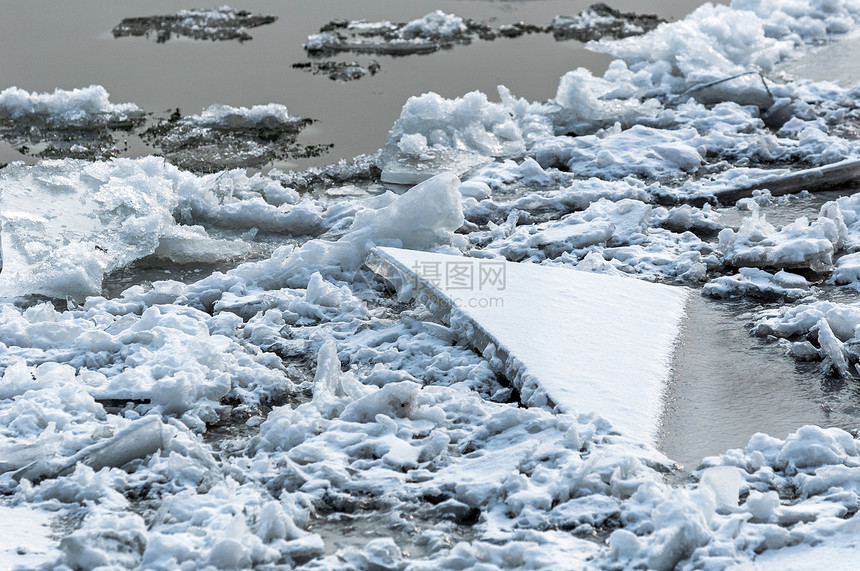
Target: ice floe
422 35
78 123
223 137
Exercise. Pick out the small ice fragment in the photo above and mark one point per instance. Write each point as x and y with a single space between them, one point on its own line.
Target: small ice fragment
725 482
762 505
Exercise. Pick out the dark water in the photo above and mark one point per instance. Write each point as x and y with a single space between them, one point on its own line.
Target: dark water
728 385
48 44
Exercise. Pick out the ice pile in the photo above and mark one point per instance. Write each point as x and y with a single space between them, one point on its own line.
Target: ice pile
817 330
66 123
222 23
601 21
434 134
65 224
683 76
800 244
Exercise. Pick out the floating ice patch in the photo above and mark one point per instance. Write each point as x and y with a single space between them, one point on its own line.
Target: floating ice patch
78 123
341 71
434 31
601 21
586 342
223 137
222 23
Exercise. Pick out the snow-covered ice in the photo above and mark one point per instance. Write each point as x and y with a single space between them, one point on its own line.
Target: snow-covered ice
222 23
77 107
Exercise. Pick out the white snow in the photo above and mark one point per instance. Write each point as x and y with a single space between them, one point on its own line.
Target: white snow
69 108
556 343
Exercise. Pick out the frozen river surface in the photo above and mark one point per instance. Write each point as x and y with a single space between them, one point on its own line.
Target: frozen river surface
198 370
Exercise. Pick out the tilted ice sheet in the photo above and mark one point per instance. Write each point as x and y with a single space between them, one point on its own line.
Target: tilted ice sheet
65 224
593 343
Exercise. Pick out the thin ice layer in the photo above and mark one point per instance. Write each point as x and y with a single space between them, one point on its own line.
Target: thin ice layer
591 343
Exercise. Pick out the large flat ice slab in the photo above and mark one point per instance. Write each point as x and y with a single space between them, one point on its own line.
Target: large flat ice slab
591 342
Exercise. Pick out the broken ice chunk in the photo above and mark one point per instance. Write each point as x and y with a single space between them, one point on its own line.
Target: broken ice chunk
831 347
744 89
191 244
758 283
847 270
564 237
65 224
137 440
409 169
725 482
